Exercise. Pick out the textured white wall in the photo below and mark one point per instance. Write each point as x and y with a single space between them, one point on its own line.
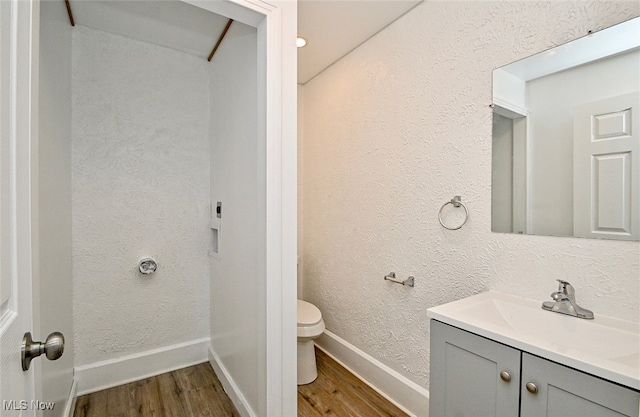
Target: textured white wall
397 128
141 163
238 292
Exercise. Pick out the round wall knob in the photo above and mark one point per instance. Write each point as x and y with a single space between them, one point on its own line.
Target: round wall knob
504 375
53 348
531 387
147 266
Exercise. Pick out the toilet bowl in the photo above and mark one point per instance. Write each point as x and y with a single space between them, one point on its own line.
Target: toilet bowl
310 327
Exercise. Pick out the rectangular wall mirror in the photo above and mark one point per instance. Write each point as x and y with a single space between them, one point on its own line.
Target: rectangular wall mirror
566 146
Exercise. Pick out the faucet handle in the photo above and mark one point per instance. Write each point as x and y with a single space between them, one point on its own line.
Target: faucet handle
566 288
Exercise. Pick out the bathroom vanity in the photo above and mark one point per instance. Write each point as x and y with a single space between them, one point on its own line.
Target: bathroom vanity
498 355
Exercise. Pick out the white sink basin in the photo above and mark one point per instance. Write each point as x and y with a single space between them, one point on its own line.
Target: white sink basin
605 347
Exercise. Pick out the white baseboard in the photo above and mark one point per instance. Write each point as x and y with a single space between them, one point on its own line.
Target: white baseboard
110 373
230 386
404 393
70 407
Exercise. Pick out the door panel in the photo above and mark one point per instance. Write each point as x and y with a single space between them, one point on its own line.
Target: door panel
16 386
565 392
465 375
607 168
612 192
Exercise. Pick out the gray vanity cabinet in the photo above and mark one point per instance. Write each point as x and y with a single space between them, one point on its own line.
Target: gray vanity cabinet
565 392
465 375
472 376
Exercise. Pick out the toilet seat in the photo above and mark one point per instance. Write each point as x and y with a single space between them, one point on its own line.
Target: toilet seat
310 323
308 314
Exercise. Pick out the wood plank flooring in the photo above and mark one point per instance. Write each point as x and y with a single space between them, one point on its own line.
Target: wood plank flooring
337 392
189 392
196 392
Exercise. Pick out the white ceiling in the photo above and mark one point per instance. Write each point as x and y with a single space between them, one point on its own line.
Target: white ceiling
332 28
172 24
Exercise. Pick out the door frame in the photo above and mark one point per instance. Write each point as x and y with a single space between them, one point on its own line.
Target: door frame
276 24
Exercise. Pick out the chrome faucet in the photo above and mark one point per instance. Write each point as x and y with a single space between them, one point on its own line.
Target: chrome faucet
564 301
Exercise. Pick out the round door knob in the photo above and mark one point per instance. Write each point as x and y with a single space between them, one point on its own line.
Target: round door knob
504 375
53 348
531 387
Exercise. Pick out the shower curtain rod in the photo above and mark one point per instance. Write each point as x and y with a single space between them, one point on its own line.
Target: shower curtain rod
68 4
215 48
224 32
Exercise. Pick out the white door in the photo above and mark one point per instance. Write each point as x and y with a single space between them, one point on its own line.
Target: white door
606 168
16 386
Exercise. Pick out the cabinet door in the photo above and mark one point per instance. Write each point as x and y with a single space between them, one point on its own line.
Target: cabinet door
465 375
565 392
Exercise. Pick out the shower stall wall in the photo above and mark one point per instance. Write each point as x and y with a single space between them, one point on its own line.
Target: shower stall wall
140 165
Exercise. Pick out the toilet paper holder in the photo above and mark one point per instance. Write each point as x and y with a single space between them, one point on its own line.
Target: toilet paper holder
410 282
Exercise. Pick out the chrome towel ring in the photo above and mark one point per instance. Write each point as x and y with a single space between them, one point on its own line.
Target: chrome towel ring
455 202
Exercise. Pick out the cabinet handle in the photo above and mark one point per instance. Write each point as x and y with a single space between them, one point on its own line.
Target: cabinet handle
504 375
532 388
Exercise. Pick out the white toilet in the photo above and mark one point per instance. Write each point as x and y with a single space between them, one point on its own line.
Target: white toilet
310 327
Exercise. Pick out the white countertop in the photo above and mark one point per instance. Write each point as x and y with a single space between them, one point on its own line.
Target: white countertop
606 347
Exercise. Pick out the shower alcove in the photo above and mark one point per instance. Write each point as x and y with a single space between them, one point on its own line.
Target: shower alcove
140 135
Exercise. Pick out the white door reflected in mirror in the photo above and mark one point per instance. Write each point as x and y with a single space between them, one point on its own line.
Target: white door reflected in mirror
543 181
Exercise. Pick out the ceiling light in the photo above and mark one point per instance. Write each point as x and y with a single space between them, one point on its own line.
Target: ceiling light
300 42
